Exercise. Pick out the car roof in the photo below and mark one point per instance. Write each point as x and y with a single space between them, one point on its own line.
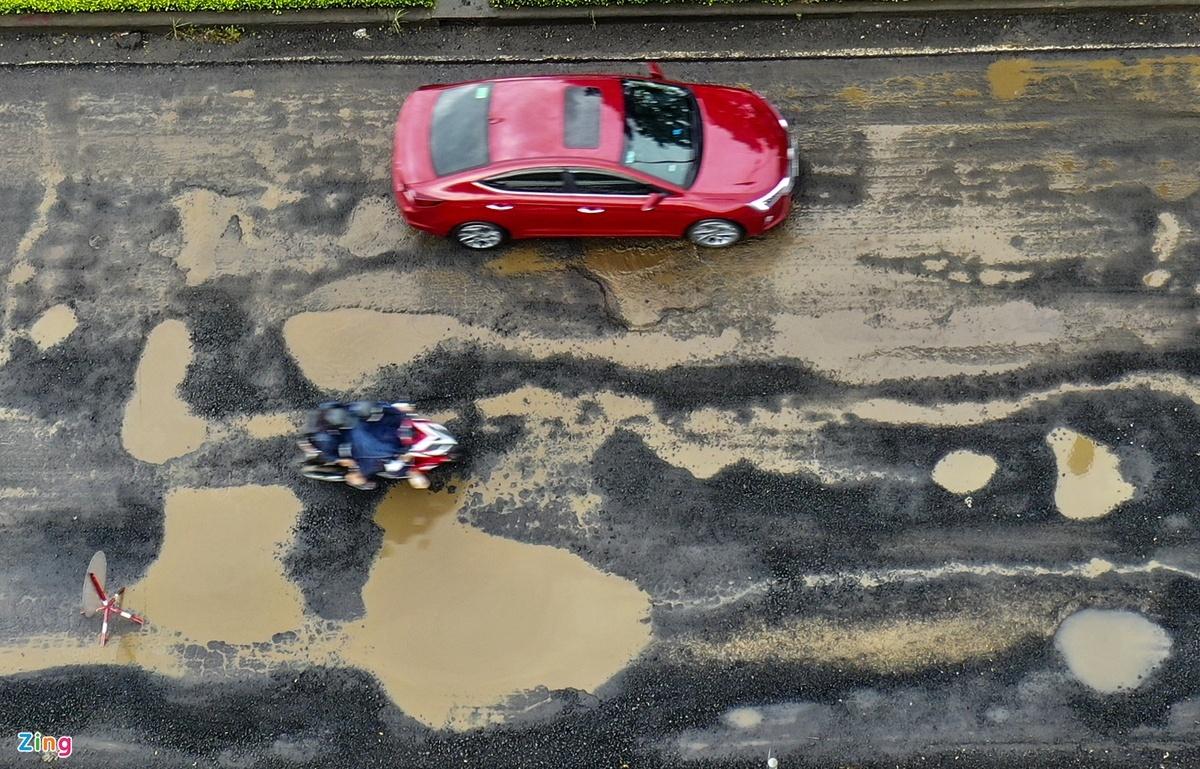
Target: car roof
527 118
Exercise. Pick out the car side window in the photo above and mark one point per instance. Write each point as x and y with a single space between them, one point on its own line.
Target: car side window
599 183
544 181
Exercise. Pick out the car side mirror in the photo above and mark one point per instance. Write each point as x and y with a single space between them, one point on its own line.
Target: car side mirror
653 201
656 72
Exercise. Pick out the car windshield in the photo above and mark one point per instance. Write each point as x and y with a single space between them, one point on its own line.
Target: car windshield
662 131
458 138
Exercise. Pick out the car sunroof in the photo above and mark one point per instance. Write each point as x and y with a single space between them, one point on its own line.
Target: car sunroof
581 118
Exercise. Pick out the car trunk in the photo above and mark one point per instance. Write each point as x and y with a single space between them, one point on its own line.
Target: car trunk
411 163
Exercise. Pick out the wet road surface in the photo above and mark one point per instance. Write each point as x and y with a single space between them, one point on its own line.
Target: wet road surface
910 482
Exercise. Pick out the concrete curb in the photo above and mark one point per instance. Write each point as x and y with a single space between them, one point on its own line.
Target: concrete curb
484 13
629 58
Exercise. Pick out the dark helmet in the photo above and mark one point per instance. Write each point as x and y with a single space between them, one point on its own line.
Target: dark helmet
369 411
338 417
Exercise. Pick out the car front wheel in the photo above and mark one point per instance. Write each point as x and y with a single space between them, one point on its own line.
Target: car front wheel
479 236
714 233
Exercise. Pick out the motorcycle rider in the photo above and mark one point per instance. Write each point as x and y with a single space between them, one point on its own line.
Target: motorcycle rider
365 437
376 440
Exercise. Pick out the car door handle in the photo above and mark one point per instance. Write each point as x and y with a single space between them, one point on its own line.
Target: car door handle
499 206
590 210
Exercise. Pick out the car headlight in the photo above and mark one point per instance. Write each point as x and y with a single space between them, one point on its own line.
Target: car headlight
771 198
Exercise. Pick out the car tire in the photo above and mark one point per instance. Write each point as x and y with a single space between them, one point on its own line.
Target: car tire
479 236
715 233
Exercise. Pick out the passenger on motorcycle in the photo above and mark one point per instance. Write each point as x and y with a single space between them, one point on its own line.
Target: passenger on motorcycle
327 434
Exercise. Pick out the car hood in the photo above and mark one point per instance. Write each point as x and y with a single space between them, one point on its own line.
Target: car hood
744 150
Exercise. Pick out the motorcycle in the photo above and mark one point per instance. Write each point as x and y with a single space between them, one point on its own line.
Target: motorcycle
426 445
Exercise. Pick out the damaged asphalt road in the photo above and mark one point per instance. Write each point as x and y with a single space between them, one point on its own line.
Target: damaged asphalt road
911 482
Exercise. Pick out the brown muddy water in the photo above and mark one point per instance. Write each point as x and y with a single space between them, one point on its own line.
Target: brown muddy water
55 325
23 272
962 472
1013 78
643 280
524 259
894 645
215 230
146 647
779 440
339 348
218 576
375 228
158 425
862 346
1111 651
458 620
1090 484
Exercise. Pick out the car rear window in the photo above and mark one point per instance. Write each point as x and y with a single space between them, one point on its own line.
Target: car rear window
581 124
662 131
543 181
459 135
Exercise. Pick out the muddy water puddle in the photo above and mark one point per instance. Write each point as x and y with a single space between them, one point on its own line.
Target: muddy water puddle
236 235
782 440
23 272
55 325
1090 483
376 228
524 259
1110 651
146 648
963 471
157 425
1147 79
967 413
645 279
895 645
339 348
219 576
942 88
216 230
863 347
458 620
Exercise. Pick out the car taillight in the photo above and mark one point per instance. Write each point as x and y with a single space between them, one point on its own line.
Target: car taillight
422 201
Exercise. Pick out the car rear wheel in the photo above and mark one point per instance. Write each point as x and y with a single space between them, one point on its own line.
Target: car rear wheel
714 233
479 236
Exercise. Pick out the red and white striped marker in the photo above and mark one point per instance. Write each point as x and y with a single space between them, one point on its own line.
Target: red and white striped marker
96 600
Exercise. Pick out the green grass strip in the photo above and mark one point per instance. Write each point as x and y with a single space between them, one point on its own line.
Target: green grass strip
78 6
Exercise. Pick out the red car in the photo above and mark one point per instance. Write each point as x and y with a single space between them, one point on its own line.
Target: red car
591 155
